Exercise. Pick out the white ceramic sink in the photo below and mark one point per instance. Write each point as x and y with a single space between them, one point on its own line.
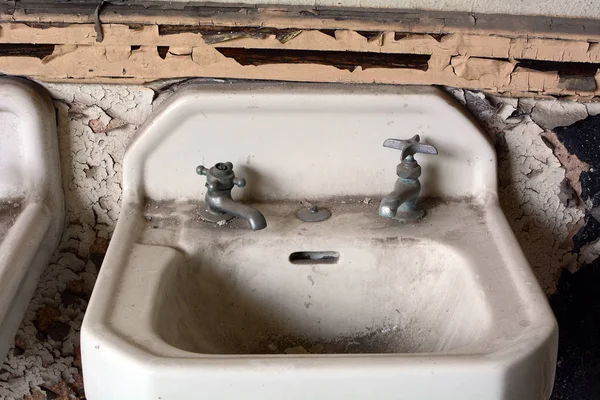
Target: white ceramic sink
31 200
446 308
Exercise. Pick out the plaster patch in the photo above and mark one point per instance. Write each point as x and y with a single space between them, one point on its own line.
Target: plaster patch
552 113
505 111
589 252
593 108
526 105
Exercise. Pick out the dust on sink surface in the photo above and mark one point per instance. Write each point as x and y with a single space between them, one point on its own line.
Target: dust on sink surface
240 293
9 211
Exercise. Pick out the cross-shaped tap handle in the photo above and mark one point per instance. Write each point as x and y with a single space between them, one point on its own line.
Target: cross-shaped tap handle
220 176
409 147
239 182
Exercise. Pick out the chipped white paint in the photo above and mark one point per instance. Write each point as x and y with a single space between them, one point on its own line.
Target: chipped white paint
589 252
91 161
549 114
91 168
531 180
531 189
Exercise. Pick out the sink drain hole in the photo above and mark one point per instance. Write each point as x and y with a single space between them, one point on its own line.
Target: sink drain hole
314 257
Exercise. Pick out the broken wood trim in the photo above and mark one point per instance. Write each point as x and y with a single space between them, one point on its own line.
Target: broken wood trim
344 60
284 17
490 46
139 53
26 50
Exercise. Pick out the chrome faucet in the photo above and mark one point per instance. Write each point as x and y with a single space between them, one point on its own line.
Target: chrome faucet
402 202
219 206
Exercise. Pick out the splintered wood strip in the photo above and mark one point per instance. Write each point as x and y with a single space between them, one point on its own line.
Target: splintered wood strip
348 60
26 50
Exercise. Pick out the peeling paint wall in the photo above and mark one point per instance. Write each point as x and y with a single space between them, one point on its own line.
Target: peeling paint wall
539 190
539 196
506 61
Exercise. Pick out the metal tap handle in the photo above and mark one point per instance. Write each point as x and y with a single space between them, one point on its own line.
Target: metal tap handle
239 182
410 147
201 170
220 176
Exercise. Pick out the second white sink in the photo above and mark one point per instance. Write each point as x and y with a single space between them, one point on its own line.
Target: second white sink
31 198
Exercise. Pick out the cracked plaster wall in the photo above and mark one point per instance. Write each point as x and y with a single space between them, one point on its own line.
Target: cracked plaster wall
539 192
538 179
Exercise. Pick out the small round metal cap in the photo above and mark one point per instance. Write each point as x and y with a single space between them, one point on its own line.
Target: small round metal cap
222 169
313 214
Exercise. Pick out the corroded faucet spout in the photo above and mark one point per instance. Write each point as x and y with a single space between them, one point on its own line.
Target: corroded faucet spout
227 205
403 199
402 202
220 180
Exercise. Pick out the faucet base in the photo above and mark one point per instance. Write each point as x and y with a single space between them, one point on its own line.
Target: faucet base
209 215
409 212
409 216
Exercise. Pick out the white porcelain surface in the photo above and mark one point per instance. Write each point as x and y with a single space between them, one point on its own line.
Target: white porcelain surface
31 199
446 308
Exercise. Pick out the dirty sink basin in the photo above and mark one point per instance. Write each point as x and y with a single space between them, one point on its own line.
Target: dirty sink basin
354 307
240 294
31 200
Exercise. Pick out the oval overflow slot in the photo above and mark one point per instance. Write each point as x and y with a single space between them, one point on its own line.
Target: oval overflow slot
314 257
